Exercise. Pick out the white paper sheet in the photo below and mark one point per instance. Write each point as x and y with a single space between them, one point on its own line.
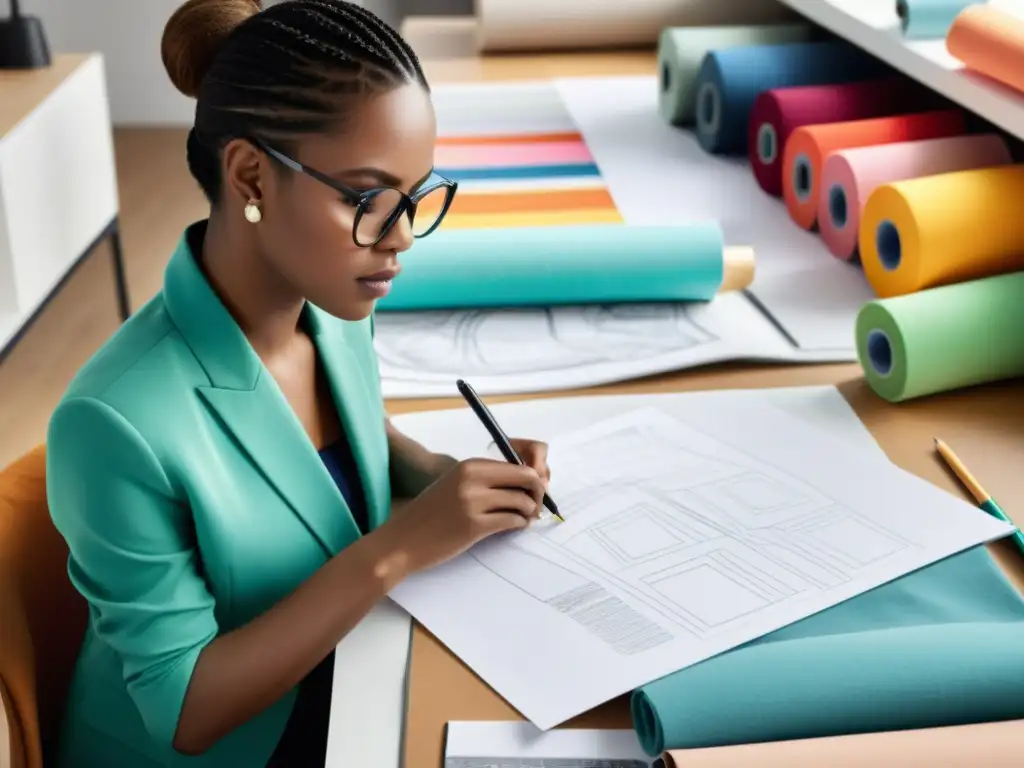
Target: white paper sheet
683 545
521 745
658 174
368 694
538 350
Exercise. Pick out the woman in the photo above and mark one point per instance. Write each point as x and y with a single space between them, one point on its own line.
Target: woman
232 494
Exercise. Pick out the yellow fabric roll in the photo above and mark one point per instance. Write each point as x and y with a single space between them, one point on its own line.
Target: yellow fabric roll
937 230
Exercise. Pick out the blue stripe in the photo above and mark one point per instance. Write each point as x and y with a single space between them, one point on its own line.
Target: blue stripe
522 172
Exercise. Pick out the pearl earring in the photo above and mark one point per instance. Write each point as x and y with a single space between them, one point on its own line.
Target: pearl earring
253 214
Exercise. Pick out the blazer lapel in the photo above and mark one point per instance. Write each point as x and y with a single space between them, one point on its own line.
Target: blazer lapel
351 369
251 407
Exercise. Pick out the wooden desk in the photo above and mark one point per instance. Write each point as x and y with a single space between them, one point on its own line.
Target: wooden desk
986 426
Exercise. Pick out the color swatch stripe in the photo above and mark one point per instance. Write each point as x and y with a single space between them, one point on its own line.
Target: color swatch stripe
521 172
519 138
513 154
525 202
559 218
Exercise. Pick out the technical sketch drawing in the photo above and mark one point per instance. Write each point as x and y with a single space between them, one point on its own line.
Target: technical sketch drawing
691 543
447 344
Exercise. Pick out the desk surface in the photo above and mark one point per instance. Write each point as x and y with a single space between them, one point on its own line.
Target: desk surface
985 425
22 91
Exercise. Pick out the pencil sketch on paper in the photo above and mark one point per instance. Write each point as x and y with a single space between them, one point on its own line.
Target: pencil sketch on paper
449 344
662 540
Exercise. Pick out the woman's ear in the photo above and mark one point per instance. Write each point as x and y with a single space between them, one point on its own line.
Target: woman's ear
244 168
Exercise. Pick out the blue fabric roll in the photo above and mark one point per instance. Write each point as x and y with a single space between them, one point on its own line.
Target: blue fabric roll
941 646
730 80
521 172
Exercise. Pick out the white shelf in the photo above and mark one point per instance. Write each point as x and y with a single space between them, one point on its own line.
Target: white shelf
873 26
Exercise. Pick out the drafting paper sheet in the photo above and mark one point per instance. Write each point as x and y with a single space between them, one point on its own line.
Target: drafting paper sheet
658 174
689 530
538 349
368 693
521 745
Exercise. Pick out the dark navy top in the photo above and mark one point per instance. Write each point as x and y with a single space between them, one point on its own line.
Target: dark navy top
304 742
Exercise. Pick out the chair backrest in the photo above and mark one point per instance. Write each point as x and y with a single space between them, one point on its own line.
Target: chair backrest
42 616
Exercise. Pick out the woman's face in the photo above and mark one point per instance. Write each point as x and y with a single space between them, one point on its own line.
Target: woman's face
307 227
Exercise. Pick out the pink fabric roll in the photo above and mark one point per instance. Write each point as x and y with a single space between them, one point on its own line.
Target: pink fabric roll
850 176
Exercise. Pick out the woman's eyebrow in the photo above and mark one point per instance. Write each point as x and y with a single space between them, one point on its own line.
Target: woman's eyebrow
379 175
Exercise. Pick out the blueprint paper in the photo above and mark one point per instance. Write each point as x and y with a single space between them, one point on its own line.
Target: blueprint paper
677 546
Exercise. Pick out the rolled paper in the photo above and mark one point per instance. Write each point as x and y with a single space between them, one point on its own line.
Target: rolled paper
941 646
943 339
993 745
851 175
989 41
936 230
546 266
778 112
928 19
681 50
730 79
805 152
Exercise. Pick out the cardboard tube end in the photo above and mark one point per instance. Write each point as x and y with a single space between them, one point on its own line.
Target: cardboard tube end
737 268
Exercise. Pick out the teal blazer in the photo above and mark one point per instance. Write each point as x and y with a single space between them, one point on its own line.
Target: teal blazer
192 500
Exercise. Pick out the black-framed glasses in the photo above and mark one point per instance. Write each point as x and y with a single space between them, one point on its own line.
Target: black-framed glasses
377 210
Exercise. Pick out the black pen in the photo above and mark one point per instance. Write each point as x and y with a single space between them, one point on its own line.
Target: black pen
500 438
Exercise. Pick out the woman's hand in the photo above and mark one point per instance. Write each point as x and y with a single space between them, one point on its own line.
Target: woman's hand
474 499
534 454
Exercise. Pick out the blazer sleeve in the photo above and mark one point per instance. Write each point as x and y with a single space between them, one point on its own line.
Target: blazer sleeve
132 555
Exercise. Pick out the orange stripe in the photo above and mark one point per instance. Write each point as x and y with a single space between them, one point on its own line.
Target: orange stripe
539 200
537 138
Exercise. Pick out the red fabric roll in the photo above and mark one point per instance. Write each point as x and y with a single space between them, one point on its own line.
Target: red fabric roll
779 112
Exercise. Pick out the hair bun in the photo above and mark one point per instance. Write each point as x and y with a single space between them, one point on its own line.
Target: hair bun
194 34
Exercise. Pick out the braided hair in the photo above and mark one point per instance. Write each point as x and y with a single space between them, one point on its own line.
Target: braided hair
278 73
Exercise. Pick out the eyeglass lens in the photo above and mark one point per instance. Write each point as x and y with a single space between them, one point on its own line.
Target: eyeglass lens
379 212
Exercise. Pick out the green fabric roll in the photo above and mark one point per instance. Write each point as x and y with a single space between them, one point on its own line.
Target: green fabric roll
681 50
546 266
941 646
943 338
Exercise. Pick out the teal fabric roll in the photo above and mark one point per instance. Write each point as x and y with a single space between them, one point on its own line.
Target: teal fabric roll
941 646
545 266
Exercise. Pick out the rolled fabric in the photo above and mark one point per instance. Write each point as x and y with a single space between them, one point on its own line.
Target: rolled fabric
806 150
993 745
941 646
730 80
937 230
851 175
928 19
989 41
943 339
682 49
778 112
587 264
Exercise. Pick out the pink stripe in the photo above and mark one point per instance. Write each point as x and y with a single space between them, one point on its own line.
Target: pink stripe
511 155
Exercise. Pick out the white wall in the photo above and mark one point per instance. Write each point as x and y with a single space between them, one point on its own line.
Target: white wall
127 33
